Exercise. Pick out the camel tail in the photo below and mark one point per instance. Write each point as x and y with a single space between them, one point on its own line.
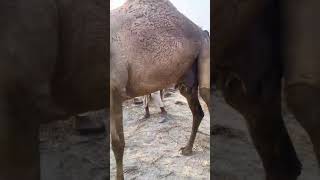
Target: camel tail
204 61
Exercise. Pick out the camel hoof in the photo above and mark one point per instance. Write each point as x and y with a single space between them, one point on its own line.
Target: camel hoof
186 151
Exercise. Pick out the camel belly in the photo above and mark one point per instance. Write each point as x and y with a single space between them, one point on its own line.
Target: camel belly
146 79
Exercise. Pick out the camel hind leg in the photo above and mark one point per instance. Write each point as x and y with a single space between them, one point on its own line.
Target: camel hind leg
191 94
203 65
205 94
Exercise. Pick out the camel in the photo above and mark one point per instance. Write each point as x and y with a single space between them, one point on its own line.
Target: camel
53 65
152 47
262 48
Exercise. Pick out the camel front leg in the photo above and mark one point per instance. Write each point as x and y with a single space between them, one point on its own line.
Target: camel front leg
116 128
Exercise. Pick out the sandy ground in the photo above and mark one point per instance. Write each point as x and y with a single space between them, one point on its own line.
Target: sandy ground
65 155
152 148
233 152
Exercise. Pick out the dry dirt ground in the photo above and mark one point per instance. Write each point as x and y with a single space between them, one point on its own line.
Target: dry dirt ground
152 148
65 155
234 156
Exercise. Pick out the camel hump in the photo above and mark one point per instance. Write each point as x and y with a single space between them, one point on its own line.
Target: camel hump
204 61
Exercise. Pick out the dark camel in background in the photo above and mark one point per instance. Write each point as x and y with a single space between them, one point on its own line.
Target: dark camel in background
152 47
53 65
256 45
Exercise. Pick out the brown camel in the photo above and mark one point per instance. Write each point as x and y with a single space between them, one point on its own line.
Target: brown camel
152 47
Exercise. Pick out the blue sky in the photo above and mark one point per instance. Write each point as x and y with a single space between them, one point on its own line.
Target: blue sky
198 11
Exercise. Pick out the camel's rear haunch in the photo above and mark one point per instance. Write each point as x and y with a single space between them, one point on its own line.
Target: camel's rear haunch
152 47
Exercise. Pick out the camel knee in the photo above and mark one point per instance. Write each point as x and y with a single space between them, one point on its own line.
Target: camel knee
118 144
191 94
